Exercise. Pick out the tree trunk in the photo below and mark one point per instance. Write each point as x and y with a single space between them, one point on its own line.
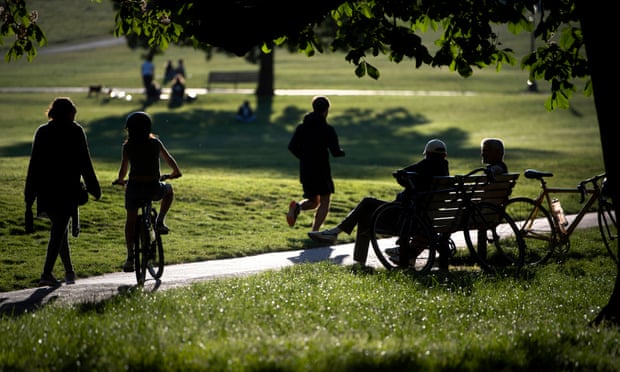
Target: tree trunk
265 75
597 23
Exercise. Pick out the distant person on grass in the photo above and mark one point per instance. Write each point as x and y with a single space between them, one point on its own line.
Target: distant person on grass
312 142
433 164
245 113
59 159
169 72
153 93
142 151
177 91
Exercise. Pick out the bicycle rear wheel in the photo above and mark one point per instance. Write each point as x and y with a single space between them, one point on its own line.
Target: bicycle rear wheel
141 248
493 238
155 264
402 242
608 225
536 227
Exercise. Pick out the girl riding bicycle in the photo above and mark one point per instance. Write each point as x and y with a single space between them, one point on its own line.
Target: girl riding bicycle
142 151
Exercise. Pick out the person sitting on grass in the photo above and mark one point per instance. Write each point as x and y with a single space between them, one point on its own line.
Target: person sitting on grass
245 113
177 91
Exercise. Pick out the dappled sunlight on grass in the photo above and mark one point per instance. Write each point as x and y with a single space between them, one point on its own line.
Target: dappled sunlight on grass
323 316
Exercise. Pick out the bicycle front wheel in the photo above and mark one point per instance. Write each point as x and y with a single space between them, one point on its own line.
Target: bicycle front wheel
155 263
141 248
493 238
400 240
536 227
608 225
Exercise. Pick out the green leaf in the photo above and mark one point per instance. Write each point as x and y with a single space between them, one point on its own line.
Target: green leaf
360 70
372 71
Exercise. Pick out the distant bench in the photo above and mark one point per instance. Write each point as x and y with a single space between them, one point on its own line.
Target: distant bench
233 77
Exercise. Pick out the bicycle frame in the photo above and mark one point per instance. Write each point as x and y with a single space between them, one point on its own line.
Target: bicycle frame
545 197
148 248
541 226
146 208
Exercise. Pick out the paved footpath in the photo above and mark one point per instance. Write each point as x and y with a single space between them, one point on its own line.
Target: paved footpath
97 288
102 287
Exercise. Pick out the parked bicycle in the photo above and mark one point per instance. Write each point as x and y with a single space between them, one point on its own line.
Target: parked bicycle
148 249
413 227
544 226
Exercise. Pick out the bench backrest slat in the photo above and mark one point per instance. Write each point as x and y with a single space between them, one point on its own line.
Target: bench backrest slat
232 77
445 205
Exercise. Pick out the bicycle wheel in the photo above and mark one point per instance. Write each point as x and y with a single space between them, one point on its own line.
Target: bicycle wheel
155 263
493 238
608 225
536 227
141 247
402 242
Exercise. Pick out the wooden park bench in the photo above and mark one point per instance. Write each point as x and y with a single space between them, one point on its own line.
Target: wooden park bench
472 204
450 196
231 77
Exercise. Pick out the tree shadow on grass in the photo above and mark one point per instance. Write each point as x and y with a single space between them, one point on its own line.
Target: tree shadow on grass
375 140
93 298
211 138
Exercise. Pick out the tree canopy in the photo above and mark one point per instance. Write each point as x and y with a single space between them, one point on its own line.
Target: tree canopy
359 28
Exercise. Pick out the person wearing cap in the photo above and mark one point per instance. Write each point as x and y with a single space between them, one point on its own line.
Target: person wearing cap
141 151
492 153
59 160
312 142
433 164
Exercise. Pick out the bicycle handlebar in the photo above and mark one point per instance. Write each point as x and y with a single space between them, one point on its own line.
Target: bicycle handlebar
163 177
168 177
582 185
593 179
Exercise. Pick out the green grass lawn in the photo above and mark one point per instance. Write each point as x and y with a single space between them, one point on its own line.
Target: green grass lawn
239 178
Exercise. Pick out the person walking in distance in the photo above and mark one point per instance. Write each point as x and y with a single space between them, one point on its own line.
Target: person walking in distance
169 72
147 70
312 142
180 70
142 151
59 160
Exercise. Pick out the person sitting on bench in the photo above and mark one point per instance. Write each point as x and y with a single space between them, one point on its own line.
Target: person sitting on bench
433 164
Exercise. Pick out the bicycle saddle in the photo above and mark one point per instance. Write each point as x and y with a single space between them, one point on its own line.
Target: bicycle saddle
533 173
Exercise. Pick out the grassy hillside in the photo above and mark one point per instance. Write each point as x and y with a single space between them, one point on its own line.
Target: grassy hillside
88 19
239 178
